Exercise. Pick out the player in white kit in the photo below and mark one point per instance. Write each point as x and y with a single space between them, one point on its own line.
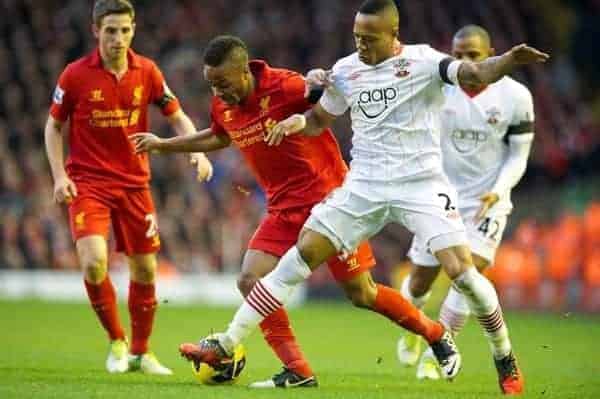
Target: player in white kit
487 133
394 93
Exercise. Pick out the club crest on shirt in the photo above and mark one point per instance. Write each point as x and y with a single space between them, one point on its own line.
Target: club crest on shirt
137 95
493 115
96 96
401 68
264 105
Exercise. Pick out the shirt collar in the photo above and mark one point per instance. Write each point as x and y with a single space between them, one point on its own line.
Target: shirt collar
261 72
133 59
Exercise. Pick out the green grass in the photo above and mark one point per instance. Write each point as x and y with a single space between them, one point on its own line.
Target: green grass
58 350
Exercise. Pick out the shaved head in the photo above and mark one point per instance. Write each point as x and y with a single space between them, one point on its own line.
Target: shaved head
376 30
226 69
474 31
383 8
226 49
472 43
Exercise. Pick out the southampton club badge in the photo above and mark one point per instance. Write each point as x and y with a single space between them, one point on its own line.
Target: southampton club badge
401 68
493 115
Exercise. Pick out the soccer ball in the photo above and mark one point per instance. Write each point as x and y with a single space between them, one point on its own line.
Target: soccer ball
227 372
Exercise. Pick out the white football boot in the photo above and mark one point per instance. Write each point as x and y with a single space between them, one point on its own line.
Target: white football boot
117 360
148 364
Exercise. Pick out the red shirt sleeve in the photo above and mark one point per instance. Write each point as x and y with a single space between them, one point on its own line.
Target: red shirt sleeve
161 94
294 88
63 97
215 126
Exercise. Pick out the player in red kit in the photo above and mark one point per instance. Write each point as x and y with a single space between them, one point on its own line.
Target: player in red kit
105 97
249 98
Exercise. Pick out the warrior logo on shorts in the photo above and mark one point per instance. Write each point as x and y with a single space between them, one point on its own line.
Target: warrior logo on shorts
80 221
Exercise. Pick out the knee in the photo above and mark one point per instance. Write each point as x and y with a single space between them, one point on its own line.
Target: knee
245 282
456 261
143 270
94 267
314 248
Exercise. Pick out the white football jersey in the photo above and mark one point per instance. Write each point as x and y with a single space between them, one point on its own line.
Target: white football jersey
394 108
474 137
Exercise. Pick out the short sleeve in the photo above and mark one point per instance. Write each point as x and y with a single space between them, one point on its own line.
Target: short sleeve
333 100
215 126
523 114
446 67
294 88
63 98
162 96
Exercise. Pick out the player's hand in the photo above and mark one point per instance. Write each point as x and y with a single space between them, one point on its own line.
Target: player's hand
204 168
145 142
317 78
523 54
64 190
487 201
286 127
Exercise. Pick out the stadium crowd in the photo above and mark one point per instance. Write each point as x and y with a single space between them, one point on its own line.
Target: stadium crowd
205 227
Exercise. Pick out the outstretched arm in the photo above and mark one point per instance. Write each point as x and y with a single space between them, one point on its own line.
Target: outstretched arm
494 68
183 125
311 123
202 141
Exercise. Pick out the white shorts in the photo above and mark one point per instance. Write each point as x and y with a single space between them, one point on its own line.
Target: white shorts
426 207
484 238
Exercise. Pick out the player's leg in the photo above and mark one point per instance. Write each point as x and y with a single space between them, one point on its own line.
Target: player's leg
136 234
416 288
453 315
483 302
353 274
276 327
331 228
484 237
268 295
89 219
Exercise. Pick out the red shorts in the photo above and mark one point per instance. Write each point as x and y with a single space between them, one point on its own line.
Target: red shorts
279 231
130 211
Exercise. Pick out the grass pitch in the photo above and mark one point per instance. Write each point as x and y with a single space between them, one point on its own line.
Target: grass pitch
52 350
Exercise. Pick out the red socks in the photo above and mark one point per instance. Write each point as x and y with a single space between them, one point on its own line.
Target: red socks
392 305
103 299
278 334
142 306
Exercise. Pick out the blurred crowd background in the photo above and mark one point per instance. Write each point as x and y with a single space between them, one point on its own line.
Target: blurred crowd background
205 227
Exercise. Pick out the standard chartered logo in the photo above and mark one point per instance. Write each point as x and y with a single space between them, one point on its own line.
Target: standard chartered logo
467 140
373 103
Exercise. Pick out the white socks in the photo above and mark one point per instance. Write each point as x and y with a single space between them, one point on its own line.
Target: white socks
268 295
455 311
483 301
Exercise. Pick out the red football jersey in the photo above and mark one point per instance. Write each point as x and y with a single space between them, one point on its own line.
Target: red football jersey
103 112
301 170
